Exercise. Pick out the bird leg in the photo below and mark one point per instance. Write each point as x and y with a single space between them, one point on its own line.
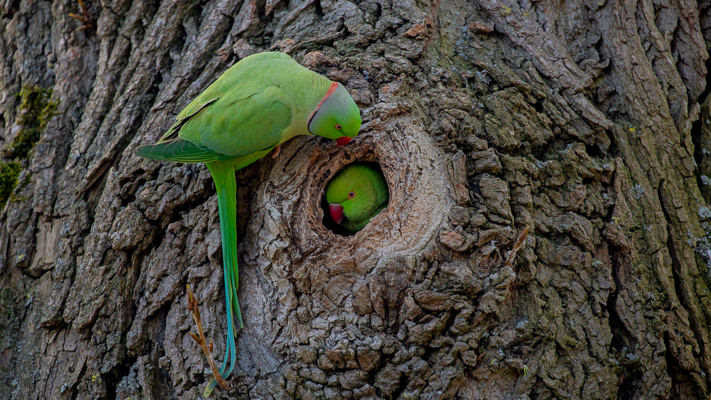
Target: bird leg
202 342
276 152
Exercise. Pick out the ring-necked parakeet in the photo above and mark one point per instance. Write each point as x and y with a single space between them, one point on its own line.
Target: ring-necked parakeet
356 194
263 100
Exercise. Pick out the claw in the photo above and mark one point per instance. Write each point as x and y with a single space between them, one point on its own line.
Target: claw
276 152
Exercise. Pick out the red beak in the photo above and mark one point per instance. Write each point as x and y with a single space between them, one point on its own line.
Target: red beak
336 211
342 141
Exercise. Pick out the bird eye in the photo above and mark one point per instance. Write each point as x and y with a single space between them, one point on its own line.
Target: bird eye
339 127
351 195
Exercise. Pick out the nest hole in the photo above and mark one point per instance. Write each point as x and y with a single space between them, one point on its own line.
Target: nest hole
328 221
418 198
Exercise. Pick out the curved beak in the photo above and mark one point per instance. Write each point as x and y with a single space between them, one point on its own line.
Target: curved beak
342 141
336 211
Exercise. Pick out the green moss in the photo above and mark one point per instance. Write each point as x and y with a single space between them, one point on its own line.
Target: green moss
9 171
14 197
36 109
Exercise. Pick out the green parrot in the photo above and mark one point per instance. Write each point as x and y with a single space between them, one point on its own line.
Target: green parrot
260 102
356 194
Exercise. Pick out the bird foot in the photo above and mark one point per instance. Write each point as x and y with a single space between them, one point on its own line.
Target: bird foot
202 342
276 152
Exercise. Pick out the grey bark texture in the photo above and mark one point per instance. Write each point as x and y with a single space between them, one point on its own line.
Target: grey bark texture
587 122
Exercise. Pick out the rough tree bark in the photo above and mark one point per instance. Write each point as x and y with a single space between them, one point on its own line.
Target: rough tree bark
587 122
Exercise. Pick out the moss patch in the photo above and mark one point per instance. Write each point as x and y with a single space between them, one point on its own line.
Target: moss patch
9 172
36 109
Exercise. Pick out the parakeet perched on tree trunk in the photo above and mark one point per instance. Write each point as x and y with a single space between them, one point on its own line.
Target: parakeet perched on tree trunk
260 102
356 194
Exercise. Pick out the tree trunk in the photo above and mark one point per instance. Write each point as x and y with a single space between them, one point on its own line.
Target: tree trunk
587 123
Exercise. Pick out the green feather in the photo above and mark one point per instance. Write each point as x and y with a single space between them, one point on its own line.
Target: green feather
225 185
179 150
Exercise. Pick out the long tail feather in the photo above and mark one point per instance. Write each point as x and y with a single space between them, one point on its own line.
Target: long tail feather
224 177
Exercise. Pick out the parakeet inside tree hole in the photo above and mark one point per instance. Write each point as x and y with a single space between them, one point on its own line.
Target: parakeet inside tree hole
356 194
260 102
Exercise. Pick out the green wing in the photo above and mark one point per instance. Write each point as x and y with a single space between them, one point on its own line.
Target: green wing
242 112
226 128
246 119
250 69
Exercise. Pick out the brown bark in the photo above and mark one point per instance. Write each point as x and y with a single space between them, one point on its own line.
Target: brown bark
587 122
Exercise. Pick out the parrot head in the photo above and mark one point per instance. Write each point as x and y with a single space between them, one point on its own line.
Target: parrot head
336 117
355 195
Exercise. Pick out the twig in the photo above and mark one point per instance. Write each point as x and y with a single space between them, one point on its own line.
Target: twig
200 340
519 242
84 17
